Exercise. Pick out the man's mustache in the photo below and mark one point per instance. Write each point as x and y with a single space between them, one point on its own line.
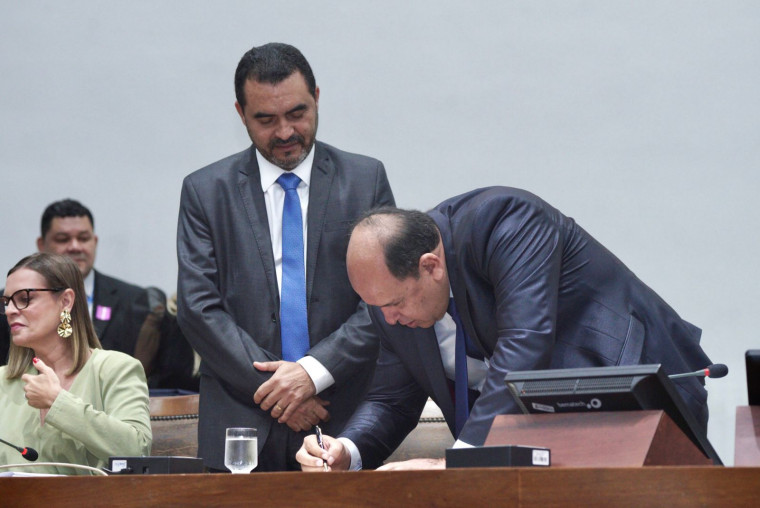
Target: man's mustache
295 138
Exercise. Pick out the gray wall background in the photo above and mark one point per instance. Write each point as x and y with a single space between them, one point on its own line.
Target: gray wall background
639 119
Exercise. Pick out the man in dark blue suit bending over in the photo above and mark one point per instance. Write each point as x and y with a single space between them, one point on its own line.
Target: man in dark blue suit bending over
529 288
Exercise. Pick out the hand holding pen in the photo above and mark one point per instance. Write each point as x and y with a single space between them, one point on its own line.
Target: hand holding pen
321 444
320 453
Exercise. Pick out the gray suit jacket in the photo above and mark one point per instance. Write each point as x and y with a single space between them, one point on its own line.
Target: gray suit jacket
228 305
534 291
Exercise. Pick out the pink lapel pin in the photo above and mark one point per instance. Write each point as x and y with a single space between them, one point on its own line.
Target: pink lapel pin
103 313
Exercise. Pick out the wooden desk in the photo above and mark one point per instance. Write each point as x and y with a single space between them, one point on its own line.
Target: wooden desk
528 487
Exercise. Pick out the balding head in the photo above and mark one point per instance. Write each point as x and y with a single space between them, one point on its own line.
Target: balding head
402 235
396 262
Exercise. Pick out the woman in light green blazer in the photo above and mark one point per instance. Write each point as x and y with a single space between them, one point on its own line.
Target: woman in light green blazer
60 393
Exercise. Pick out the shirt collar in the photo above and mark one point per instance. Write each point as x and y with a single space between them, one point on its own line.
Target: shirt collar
270 173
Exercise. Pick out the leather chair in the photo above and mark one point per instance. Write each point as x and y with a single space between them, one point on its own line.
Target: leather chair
174 421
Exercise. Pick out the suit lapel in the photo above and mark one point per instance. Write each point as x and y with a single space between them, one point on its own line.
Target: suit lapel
104 305
249 186
458 286
322 174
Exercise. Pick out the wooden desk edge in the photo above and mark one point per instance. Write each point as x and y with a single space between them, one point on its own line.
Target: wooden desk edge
675 486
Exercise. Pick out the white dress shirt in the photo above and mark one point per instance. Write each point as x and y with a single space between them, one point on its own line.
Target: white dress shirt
274 199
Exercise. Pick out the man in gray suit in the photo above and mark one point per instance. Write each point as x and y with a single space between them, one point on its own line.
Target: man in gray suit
529 289
236 281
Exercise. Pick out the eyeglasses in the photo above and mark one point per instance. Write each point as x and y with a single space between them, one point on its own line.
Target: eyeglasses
21 298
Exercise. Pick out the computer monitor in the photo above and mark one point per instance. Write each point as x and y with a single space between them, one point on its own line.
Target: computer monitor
594 389
752 362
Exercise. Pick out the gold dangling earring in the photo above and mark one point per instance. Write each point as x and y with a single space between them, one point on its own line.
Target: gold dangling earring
64 329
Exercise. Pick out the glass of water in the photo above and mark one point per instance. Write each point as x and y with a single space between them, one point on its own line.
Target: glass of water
240 450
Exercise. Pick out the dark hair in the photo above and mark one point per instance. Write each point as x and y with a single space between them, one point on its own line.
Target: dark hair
272 63
405 237
63 208
58 272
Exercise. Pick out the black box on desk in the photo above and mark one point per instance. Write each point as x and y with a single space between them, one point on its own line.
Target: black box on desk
498 456
155 465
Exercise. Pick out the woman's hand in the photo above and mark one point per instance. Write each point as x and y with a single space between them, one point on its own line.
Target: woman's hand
41 390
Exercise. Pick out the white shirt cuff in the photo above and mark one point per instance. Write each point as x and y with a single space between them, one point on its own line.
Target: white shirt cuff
319 375
462 444
356 458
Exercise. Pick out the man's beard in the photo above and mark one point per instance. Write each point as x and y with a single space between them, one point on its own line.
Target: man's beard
289 163
292 162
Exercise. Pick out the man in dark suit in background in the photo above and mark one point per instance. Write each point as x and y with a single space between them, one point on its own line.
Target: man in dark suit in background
126 317
531 290
264 297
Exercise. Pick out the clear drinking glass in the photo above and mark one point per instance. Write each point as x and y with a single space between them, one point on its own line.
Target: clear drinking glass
240 450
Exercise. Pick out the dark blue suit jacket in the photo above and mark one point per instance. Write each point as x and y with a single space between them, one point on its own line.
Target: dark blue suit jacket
534 291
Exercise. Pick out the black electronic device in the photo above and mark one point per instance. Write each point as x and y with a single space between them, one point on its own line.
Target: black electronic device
595 389
498 456
752 362
155 465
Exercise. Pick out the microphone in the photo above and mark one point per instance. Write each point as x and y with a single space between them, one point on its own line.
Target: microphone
715 370
29 454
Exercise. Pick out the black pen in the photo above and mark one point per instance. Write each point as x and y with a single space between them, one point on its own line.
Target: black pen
320 443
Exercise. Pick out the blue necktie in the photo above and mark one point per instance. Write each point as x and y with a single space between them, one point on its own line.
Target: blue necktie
462 407
294 328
